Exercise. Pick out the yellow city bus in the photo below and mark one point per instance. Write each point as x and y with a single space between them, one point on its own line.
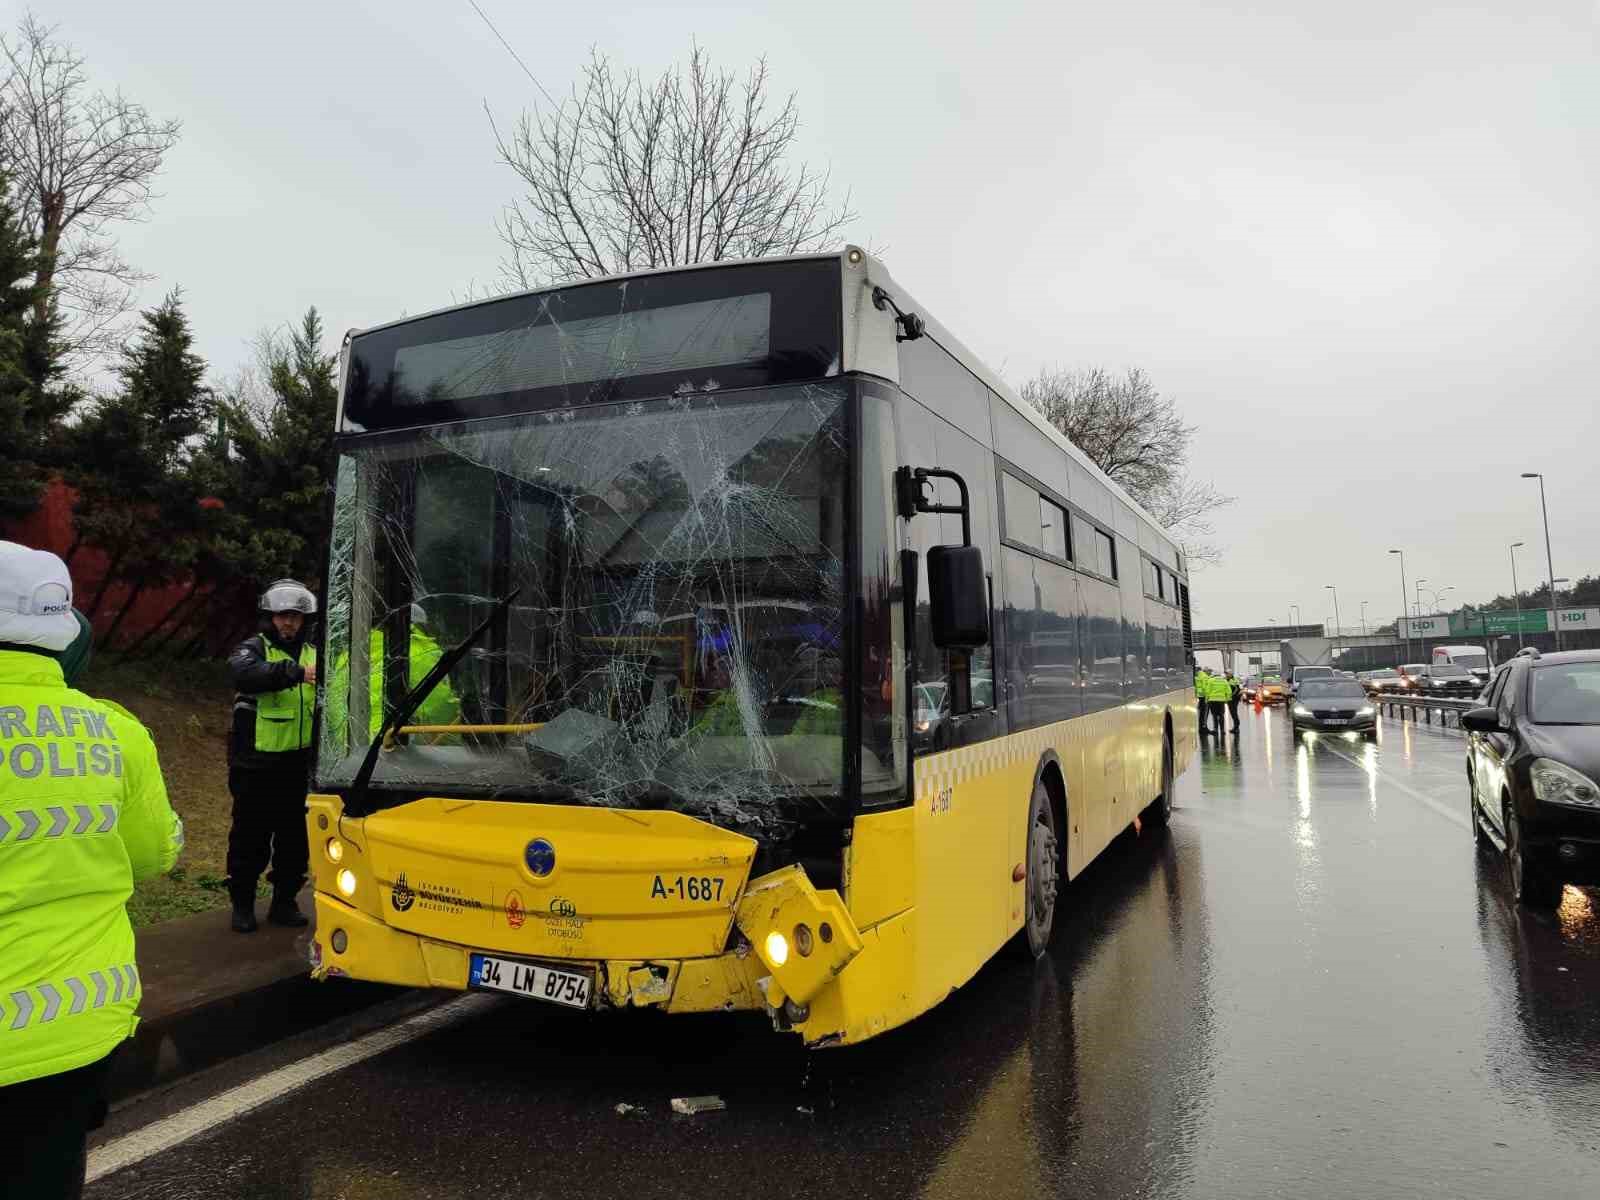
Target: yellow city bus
789 662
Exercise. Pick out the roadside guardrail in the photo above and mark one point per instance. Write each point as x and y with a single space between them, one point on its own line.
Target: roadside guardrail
1423 708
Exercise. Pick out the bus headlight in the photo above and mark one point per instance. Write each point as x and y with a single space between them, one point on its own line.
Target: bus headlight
781 915
347 882
777 948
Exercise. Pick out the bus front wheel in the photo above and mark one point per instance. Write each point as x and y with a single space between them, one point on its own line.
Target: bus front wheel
1044 874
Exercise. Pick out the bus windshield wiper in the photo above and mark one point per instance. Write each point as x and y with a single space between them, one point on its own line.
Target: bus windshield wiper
355 802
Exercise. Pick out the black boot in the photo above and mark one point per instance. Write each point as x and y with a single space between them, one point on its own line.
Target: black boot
244 905
284 911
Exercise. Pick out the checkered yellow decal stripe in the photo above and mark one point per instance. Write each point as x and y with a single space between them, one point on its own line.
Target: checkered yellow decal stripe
949 769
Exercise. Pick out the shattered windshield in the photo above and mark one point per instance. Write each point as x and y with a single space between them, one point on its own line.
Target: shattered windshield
677 638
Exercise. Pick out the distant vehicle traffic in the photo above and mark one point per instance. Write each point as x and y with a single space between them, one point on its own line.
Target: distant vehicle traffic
1386 679
1265 689
1474 658
1446 680
1410 673
1533 759
1333 706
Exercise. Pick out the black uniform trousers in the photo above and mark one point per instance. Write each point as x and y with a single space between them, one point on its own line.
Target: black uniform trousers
47 1122
1217 708
1233 710
269 825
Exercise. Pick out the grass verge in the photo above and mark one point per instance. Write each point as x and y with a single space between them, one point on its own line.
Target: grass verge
187 707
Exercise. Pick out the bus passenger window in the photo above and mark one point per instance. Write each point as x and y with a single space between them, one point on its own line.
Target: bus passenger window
1053 523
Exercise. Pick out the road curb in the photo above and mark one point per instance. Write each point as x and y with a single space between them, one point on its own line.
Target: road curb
182 1043
210 995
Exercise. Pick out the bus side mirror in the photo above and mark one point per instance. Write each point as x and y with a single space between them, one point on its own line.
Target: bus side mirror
958 597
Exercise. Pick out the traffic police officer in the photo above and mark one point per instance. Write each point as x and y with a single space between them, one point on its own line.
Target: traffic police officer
83 815
274 679
1217 692
438 707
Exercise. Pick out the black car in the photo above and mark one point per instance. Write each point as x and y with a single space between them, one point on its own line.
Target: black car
1533 759
1333 706
1443 679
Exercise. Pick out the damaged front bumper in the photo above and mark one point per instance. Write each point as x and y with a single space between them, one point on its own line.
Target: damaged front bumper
793 943
658 910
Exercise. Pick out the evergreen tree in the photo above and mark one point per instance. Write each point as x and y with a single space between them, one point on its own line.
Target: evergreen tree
32 402
132 458
163 381
281 476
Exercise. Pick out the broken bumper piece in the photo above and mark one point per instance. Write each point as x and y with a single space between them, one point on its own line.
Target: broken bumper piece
794 941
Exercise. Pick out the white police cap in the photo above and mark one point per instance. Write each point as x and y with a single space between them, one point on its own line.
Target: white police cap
35 599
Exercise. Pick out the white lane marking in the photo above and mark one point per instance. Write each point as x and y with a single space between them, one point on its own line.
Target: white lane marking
1459 817
235 1102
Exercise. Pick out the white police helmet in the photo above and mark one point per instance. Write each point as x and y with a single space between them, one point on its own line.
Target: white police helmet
35 599
288 595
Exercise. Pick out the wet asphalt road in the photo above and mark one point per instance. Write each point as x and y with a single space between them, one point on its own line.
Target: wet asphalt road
1311 986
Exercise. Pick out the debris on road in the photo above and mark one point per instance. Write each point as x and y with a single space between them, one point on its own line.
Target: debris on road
623 1110
690 1105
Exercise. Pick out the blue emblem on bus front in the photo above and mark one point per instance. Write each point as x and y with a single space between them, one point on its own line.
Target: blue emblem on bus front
540 857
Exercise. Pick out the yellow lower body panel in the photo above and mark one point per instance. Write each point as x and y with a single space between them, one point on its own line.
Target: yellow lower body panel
871 995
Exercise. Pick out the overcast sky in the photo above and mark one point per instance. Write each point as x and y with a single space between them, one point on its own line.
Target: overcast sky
1356 241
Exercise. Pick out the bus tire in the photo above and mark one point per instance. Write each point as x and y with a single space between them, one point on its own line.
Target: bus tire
1043 880
1160 809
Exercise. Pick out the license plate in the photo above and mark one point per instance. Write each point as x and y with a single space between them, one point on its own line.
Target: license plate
558 985
1334 721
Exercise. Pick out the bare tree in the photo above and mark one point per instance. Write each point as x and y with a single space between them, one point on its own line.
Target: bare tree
83 161
627 175
1134 434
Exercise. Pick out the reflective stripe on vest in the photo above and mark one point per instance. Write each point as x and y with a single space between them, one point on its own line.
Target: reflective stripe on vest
283 718
25 824
44 1002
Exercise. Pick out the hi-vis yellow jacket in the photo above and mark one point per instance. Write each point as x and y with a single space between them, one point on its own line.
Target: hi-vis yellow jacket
83 814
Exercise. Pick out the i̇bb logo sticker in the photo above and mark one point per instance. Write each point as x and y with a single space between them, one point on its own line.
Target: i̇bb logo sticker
516 912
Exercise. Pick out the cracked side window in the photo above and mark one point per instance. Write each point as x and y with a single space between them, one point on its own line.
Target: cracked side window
678 637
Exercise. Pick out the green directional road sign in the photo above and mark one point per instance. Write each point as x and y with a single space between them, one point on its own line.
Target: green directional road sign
1492 623
1537 620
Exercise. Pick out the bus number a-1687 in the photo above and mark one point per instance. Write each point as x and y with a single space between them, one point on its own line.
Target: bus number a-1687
687 887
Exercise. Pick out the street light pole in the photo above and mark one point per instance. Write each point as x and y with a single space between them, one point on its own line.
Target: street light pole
1516 596
1336 621
1363 618
1548 560
1403 591
1417 586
